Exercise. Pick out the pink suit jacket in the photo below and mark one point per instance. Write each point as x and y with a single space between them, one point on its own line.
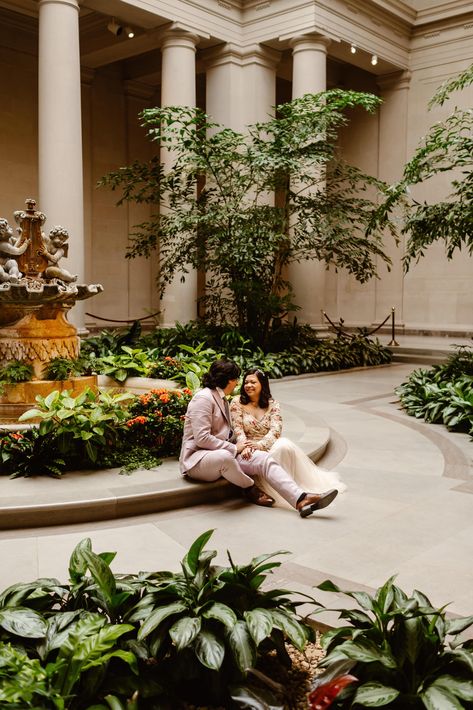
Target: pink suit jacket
206 428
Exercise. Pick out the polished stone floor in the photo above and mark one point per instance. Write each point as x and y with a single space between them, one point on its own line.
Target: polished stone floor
408 509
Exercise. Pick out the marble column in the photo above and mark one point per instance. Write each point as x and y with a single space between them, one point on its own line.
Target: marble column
60 130
393 129
178 88
309 54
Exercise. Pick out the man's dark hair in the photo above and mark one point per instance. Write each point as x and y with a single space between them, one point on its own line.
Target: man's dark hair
220 374
265 395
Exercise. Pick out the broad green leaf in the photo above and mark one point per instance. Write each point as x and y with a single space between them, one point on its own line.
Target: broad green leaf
291 627
77 561
415 637
375 695
242 646
440 699
23 622
461 688
456 626
366 652
209 649
259 623
184 631
191 559
221 612
158 616
101 573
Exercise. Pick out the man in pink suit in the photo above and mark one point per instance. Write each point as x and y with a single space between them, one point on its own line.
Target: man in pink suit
208 451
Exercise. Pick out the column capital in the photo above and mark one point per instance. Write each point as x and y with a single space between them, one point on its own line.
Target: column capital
71 3
230 53
309 42
394 81
177 35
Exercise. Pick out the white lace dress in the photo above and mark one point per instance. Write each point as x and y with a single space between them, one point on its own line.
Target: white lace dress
265 433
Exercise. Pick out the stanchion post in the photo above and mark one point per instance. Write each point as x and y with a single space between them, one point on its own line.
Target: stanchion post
393 342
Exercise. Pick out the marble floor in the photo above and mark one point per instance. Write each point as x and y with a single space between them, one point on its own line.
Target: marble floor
408 509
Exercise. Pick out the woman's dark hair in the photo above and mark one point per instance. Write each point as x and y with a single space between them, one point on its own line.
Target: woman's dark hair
220 374
265 395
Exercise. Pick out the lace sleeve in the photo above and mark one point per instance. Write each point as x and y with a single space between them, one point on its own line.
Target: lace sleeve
237 421
275 428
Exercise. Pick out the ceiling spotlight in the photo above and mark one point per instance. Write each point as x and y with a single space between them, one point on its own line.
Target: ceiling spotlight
114 27
353 48
129 32
374 59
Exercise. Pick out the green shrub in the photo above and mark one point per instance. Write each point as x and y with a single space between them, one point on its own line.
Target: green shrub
404 653
15 371
28 453
83 425
157 420
147 640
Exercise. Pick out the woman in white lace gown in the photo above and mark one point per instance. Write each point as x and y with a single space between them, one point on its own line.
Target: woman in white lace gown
257 420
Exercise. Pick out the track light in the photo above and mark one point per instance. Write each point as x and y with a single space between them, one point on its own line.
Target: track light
353 48
374 59
129 32
114 27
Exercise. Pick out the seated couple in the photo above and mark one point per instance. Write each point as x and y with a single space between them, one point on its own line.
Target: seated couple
248 444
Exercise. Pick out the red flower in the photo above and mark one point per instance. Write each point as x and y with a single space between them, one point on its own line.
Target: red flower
323 696
186 390
17 436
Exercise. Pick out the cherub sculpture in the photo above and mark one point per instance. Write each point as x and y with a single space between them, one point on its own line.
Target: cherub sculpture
9 249
55 248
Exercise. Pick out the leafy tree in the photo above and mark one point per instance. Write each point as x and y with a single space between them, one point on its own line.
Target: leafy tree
447 148
243 206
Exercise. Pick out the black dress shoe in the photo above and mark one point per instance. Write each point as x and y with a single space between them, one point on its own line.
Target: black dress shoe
257 496
314 501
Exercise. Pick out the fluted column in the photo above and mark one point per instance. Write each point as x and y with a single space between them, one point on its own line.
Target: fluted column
60 129
178 88
309 73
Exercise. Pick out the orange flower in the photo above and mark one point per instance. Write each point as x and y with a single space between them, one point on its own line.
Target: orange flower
164 398
159 391
17 436
144 399
137 420
186 390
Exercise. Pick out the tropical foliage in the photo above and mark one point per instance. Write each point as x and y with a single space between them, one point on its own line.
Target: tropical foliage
443 394
403 652
97 430
144 641
241 207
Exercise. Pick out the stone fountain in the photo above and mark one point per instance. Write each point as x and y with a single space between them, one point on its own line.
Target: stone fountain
36 292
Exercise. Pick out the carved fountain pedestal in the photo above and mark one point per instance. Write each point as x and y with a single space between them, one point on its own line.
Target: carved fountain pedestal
35 296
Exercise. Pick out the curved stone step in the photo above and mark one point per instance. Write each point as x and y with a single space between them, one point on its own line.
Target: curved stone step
85 496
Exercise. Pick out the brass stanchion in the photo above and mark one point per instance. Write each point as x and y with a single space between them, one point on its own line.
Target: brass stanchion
393 342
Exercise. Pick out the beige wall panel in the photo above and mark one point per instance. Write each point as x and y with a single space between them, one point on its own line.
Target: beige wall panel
142 296
110 223
18 130
438 294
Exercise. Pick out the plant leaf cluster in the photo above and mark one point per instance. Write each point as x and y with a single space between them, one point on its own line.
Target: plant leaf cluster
442 394
145 641
404 653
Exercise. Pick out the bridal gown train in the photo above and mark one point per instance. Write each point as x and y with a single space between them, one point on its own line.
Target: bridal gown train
266 431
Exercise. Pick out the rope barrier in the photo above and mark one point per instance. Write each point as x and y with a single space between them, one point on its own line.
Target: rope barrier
130 320
339 328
